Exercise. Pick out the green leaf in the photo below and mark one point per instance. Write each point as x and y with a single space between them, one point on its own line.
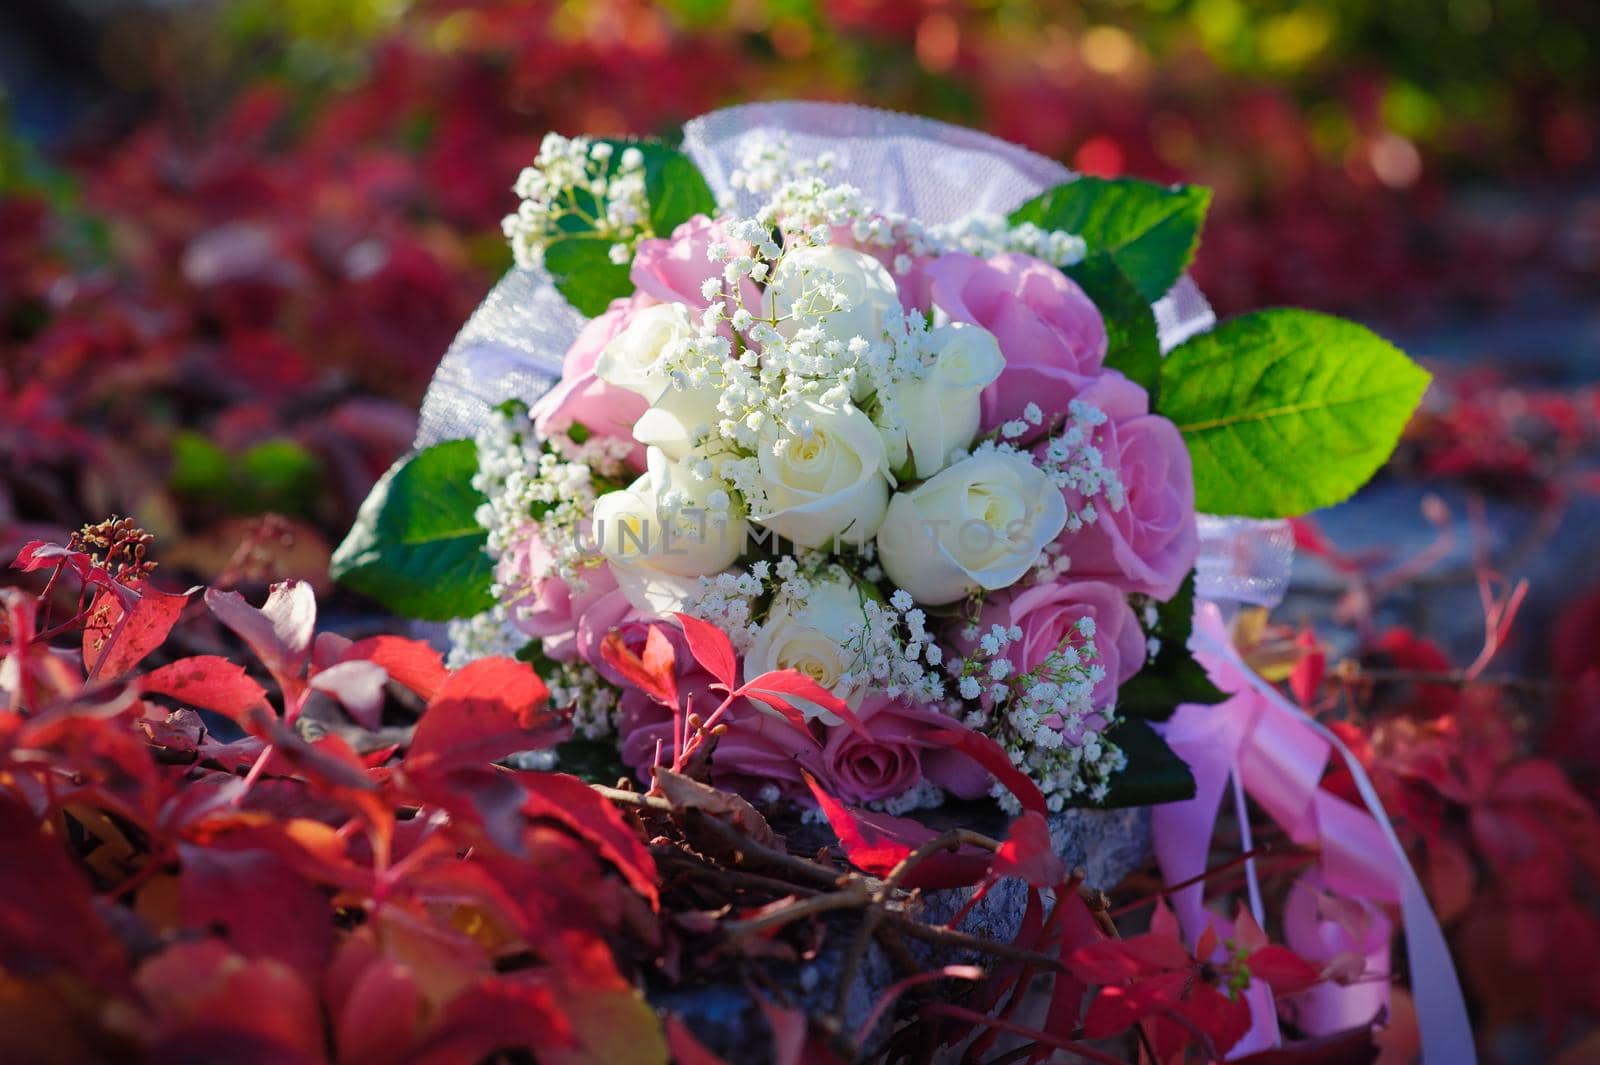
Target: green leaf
673 186
1133 346
1150 230
1285 411
1155 773
416 546
1174 677
676 189
199 467
584 273
281 475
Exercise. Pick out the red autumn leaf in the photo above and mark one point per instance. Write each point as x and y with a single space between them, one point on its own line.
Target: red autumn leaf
1078 929
574 804
652 674
135 632
48 922
798 699
40 554
1305 679
377 1022
208 682
1282 969
262 905
483 712
279 632
202 987
1029 853
710 648
496 1015
410 663
789 1027
875 843
358 685
483 795
991 756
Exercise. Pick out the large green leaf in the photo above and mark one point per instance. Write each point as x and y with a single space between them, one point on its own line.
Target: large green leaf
1132 344
676 189
1174 677
1155 773
584 273
416 546
1285 411
1150 230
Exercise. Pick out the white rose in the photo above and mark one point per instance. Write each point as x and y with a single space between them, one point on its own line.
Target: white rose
663 527
830 483
812 637
864 282
978 525
633 359
940 411
678 419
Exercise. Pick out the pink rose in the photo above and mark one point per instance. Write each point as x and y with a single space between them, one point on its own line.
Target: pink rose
672 269
602 330
580 396
1149 543
897 753
613 611
545 606
1050 332
1048 615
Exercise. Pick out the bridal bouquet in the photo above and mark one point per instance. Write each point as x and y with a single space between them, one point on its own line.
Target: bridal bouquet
943 471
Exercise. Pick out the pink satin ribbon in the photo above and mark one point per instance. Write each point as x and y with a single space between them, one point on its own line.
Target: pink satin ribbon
1277 755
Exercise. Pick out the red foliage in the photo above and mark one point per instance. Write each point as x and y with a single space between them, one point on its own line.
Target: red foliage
337 884
317 907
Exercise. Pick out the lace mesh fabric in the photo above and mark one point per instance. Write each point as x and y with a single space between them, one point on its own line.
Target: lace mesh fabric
512 346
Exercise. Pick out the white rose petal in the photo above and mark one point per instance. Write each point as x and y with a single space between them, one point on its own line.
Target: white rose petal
812 637
677 419
940 412
863 281
662 526
830 484
633 359
980 524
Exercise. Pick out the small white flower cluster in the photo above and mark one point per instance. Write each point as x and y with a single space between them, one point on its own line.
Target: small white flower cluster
592 700
527 485
728 601
486 635
768 165
1044 717
1072 461
582 182
985 235
896 654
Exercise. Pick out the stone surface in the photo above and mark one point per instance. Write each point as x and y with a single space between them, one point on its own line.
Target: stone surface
1106 844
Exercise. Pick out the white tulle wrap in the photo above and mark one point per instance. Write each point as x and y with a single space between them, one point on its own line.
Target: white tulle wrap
512 345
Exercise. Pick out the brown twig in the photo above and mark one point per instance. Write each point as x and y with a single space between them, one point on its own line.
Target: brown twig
852 896
946 841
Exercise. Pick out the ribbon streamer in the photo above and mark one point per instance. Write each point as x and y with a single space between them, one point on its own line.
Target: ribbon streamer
1278 754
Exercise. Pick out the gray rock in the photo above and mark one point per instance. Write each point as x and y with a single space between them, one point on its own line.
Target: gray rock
1106 844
